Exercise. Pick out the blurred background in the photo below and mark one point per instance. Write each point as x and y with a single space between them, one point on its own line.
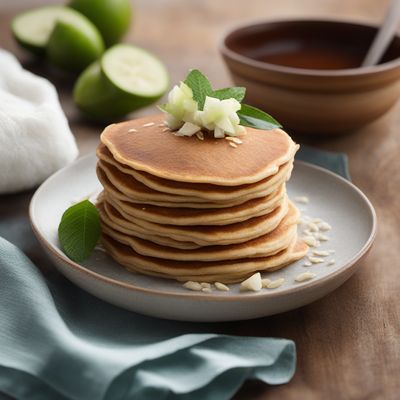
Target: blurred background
185 33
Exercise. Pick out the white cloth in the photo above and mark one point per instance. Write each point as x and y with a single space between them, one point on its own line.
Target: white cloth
35 139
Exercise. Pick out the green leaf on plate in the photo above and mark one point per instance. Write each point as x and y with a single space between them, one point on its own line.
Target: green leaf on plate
200 85
236 92
255 118
79 230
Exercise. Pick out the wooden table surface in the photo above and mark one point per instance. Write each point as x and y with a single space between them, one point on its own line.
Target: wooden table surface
348 343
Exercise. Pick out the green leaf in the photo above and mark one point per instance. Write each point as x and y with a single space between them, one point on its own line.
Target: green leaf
255 118
79 230
200 86
235 92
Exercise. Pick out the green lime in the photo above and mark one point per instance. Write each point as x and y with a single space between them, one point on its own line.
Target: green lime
32 28
111 17
125 79
74 43
94 95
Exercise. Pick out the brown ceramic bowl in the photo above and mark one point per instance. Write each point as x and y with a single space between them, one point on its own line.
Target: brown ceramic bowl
306 73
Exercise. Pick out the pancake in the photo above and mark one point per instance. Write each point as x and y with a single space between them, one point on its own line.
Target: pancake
265 245
228 271
117 194
188 159
204 235
192 216
189 209
132 188
142 233
202 190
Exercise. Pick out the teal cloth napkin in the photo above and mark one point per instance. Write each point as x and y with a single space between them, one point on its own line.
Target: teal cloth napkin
335 162
59 342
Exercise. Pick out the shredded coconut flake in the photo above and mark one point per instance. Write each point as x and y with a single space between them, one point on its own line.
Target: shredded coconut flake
195 286
200 135
324 226
305 276
331 262
322 237
265 282
232 144
312 227
220 286
302 199
148 124
233 139
275 284
132 130
316 260
322 253
310 241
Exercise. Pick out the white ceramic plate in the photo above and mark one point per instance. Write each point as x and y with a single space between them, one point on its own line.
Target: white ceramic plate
332 198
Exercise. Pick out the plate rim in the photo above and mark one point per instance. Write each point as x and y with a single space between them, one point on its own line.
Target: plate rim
205 296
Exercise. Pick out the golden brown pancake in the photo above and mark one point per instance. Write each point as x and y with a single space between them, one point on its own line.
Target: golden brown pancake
142 232
200 216
191 209
228 271
203 235
277 240
117 194
188 159
203 190
132 188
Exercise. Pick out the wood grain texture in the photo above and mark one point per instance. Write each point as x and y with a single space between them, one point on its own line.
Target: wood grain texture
349 342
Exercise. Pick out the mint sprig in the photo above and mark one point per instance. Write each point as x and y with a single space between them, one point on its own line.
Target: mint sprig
256 118
200 85
249 116
235 92
79 230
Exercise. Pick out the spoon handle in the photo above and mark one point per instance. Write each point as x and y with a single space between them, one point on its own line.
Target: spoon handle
384 35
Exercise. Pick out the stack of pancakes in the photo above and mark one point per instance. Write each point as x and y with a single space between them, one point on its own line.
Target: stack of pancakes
191 209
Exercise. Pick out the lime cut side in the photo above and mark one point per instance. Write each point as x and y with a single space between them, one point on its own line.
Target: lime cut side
135 71
33 28
125 79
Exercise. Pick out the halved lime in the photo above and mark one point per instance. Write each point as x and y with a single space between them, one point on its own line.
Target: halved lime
74 44
126 78
32 28
111 17
95 96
